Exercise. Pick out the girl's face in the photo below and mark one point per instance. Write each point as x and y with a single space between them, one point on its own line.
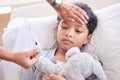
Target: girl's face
72 35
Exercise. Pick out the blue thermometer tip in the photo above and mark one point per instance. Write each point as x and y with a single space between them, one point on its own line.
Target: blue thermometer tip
39 51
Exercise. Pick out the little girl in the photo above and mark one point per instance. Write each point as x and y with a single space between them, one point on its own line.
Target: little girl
68 35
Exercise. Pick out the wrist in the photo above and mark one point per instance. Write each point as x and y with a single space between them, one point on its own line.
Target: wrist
57 7
54 3
50 1
61 6
12 57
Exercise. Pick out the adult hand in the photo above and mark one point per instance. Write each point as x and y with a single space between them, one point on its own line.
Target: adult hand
71 12
26 59
54 77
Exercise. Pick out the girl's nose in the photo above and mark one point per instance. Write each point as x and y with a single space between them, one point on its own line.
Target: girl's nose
69 33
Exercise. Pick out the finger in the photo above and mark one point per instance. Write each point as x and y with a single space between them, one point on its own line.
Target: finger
76 18
80 15
32 61
33 53
81 11
35 59
68 19
47 78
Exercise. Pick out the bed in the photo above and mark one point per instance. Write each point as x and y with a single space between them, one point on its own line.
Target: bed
105 41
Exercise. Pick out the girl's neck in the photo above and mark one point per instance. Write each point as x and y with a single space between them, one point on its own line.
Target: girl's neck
60 54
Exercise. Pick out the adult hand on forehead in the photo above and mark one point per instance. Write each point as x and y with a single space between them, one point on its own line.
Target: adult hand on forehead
71 12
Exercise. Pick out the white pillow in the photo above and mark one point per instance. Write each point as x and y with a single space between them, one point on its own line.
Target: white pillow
18 32
17 37
105 41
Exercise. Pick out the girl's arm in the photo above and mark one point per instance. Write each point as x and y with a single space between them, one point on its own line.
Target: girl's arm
54 77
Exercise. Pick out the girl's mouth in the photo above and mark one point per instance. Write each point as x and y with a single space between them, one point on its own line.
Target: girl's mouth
66 41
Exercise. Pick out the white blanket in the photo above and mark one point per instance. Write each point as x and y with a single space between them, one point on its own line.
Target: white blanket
17 37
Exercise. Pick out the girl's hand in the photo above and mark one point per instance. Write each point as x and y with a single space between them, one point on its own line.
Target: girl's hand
54 77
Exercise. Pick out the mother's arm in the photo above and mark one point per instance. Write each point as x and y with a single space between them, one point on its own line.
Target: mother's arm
70 12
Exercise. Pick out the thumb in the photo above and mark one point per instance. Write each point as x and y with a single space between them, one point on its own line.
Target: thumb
31 54
35 59
53 76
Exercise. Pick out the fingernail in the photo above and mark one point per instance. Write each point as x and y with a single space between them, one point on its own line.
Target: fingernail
87 17
86 21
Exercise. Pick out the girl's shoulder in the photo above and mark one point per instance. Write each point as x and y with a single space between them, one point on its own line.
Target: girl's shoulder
48 53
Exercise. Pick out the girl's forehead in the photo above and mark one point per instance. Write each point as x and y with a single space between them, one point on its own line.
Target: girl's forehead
62 22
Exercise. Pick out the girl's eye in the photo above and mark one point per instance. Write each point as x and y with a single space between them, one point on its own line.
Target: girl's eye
63 27
78 31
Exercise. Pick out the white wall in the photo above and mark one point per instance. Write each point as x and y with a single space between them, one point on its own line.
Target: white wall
44 9
97 4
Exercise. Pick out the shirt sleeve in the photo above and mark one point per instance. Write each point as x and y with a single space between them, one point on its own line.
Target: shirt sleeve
33 73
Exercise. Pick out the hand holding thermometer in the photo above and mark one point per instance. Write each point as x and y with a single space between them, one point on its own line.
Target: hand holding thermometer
40 50
36 41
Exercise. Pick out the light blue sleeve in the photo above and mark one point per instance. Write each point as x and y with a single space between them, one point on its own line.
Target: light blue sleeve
33 73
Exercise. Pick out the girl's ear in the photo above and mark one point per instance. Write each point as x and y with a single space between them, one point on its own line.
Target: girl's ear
88 39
